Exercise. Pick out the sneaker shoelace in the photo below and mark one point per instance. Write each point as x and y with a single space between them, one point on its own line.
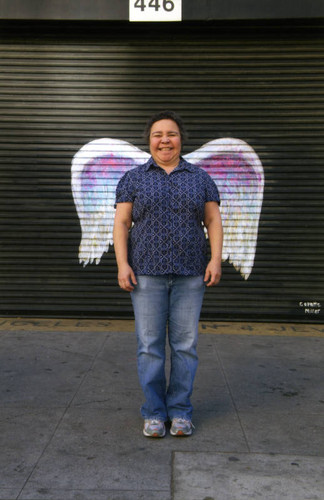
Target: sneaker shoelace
184 421
154 421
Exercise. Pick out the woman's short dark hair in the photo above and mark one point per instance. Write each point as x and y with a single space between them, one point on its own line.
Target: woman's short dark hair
165 115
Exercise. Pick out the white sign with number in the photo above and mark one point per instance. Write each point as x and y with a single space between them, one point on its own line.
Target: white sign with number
155 10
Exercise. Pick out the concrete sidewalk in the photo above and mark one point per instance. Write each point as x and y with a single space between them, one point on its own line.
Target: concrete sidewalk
71 429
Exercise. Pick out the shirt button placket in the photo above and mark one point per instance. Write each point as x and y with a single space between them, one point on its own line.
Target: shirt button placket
168 205
173 209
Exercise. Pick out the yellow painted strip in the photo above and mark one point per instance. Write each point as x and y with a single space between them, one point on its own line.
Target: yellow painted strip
212 327
65 325
262 329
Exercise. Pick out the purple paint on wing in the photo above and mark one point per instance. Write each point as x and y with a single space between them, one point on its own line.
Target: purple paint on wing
98 171
99 179
230 169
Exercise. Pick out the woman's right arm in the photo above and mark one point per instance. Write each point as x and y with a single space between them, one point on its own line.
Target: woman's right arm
123 222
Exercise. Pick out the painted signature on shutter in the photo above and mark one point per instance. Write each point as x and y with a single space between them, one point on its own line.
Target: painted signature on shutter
310 307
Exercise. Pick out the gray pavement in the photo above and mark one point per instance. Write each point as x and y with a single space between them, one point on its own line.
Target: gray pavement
71 428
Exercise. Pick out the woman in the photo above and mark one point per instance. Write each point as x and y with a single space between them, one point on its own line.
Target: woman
160 249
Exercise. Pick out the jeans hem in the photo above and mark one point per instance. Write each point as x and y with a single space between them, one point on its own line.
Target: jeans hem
155 418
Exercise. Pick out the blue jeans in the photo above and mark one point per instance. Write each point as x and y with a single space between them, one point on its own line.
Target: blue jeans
159 302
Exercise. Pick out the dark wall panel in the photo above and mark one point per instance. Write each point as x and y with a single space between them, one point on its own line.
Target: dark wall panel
192 10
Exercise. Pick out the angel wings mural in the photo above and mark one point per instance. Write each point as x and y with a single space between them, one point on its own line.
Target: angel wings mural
233 165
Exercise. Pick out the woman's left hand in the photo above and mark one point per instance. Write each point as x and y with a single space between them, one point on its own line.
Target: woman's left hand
213 273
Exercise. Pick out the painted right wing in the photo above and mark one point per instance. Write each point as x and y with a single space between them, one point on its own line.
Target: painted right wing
96 170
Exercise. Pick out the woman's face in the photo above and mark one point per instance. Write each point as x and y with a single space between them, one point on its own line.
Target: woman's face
165 143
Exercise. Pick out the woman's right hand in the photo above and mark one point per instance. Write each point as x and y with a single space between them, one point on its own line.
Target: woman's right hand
126 278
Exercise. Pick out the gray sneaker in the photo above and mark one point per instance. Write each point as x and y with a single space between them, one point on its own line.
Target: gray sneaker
181 427
154 428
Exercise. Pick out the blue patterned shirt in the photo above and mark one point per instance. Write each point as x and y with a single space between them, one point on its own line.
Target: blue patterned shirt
167 236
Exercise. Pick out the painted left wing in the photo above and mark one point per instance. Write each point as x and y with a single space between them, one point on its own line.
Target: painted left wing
238 173
96 169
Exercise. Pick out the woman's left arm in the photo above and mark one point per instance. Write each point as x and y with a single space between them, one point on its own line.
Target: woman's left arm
213 223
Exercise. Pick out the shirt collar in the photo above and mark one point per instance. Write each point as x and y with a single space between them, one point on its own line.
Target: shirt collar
183 165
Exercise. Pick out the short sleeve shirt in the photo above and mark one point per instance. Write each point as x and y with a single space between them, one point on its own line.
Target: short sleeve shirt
167 235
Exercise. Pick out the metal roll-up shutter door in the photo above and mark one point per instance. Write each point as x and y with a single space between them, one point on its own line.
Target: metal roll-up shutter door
65 84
